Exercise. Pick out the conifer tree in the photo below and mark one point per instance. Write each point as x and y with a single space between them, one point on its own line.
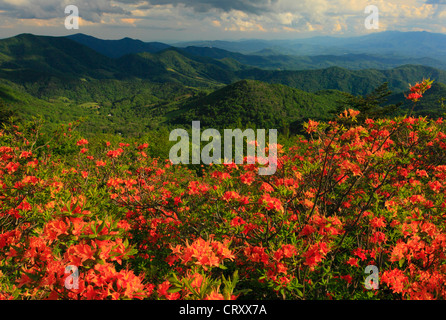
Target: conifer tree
371 106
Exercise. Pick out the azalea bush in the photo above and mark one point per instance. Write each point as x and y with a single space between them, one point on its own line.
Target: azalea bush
349 195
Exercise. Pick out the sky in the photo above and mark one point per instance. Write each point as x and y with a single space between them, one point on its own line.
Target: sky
183 20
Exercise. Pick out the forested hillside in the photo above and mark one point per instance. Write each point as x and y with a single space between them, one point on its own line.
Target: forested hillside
250 103
62 80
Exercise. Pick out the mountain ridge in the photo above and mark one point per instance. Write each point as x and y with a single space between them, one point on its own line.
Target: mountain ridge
151 89
273 53
118 48
26 57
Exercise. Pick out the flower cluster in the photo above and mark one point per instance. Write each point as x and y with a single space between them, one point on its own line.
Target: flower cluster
417 91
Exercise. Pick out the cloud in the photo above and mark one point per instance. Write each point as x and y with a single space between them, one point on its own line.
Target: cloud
247 6
49 9
212 19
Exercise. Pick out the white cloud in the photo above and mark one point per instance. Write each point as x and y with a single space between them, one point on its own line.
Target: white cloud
234 18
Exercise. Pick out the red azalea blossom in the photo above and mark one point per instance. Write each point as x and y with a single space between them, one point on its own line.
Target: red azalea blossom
114 153
82 142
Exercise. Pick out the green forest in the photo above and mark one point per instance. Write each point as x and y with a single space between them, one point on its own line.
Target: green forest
149 93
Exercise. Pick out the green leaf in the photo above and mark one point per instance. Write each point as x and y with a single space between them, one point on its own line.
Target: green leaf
173 290
93 229
101 227
401 262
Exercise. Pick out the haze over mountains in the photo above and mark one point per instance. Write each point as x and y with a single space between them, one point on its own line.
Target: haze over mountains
116 82
410 44
381 50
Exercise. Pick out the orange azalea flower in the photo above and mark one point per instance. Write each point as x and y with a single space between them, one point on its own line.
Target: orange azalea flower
82 142
312 126
12 167
204 253
24 280
436 186
399 251
414 96
162 288
308 229
266 187
418 198
222 250
143 146
256 254
25 154
229 195
100 163
353 262
289 250
419 89
114 153
79 253
196 187
396 279
307 203
271 203
208 261
361 253
214 295
378 222
237 221
247 178
349 113
30 180
197 280
349 166
55 228
378 237
315 254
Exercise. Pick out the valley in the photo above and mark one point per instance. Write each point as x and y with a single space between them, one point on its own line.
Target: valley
130 87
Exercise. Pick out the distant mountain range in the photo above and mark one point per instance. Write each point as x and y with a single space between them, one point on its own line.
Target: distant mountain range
117 82
43 60
352 61
381 50
417 44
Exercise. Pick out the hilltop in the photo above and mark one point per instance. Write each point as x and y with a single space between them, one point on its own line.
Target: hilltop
118 48
250 103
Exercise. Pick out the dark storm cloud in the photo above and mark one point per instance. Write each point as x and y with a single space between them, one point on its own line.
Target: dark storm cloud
48 9
248 6
94 10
